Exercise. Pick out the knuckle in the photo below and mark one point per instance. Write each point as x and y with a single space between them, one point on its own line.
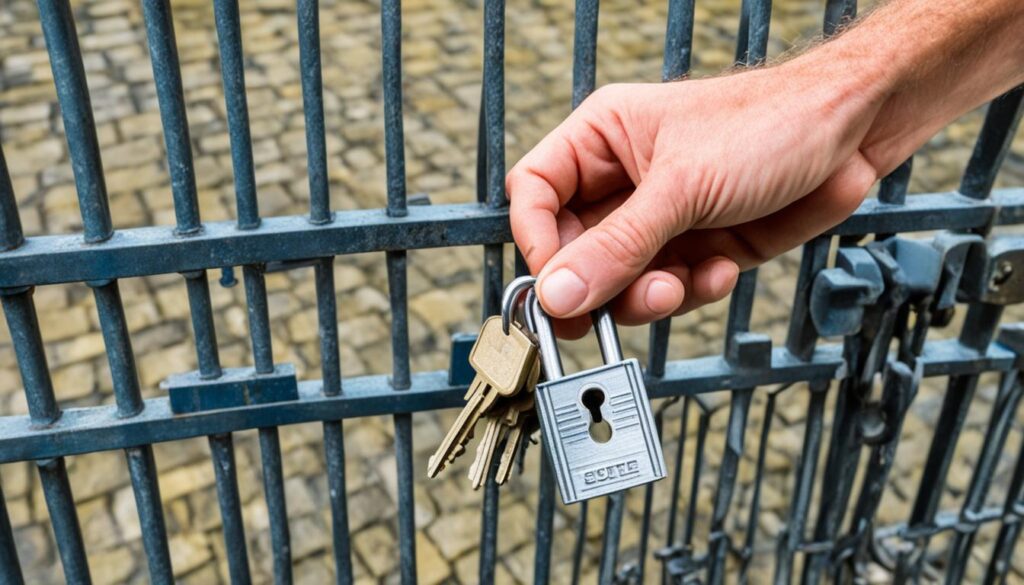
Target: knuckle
624 242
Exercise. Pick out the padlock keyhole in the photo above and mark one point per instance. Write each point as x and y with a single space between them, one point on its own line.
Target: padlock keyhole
600 430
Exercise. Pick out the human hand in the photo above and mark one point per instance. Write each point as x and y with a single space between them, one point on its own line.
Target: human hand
655 196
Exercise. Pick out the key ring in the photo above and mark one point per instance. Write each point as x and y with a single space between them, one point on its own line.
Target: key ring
510 299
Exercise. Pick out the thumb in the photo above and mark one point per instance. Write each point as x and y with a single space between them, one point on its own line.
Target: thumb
599 264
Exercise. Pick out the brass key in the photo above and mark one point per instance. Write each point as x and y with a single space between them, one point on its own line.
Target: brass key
503 364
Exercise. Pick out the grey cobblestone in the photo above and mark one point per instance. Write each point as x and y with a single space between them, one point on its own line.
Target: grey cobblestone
442 56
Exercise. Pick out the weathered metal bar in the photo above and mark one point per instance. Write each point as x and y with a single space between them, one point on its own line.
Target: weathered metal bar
83 430
789 542
1004 411
677 474
141 466
678 39
1006 542
232 68
10 566
494 100
740 309
308 16
755 499
978 330
584 50
703 425
76 109
397 207
23 324
201 312
120 356
273 488
394 129
222 451
544 529
802 335
11 235
838 13
259 318
993 144
334 439
327 322
163 54
146 488
893 187
67 533
156 250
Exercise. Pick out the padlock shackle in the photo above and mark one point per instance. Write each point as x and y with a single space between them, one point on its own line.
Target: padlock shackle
607 335
538 322
510 299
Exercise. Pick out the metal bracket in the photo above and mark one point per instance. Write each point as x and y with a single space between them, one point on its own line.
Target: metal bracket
235 387
460 372
839 295
995 275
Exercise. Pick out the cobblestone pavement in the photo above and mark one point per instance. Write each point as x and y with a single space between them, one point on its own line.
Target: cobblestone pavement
442 51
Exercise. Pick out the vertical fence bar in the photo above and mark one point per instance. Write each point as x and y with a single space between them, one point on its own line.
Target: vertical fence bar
678 40
493 167
397 262
1004 411
838 13
10 566
993 144
83 145
64 519
584 50
120 356
789 542
163 53
223 452
1009 531
394 133
978 330
979 327
76 109
740 310
141 466
11 235
146 488
334 439
201 312
308 16
229 38
755 500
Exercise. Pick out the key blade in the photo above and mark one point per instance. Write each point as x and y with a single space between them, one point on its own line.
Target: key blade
508 456
450 442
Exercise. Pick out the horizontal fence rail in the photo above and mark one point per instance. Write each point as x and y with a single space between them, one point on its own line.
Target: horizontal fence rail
861 282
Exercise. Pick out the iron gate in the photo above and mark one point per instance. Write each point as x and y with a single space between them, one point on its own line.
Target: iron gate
881 293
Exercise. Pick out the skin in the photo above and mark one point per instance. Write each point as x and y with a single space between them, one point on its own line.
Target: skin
653 197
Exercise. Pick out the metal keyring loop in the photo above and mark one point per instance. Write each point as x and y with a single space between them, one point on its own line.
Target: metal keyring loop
510 299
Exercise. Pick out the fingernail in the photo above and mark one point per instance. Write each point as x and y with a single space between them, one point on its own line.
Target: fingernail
562 291
660 297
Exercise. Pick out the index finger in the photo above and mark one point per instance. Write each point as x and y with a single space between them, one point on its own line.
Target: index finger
537 187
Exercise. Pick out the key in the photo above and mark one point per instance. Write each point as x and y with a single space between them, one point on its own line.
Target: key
517 418
503 361
493 433
503 364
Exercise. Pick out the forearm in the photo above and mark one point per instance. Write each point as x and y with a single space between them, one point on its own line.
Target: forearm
912 66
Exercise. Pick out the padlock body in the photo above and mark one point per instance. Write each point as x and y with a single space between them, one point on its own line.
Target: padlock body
584 467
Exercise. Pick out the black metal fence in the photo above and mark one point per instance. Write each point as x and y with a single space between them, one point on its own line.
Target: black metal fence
879 292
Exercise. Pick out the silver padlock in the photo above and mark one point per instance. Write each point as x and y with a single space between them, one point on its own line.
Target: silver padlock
596 425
